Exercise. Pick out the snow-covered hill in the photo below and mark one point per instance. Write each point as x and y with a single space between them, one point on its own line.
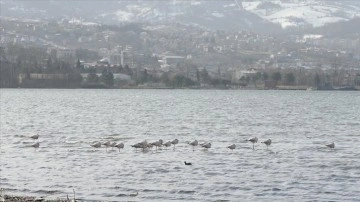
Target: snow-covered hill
300 13
256 15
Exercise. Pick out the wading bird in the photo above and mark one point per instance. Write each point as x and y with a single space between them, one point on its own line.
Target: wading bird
167 144
96 145
232 147
194 144
253 141
267 142
331 145
157 144
120 146
137 146
112 145
149 146
36 145
107 144
141 145
174 142
207 145
35 137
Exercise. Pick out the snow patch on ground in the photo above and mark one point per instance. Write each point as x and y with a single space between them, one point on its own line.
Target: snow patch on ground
229 5
124 15
218 15
315 13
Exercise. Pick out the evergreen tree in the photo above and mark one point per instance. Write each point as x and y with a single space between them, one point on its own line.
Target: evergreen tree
276 76
108 78
317 80
265 76
290 78
78 64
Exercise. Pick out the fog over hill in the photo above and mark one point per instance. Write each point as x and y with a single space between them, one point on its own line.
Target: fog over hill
266 16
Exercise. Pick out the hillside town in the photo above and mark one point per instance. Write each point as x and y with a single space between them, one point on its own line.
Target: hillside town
75 54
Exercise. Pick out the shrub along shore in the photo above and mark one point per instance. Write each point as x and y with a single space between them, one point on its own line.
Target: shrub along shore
22 198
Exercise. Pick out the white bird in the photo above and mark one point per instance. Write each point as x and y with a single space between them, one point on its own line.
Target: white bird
120 146
267 142
112 145
144 145
141 145
207 145
36 145
149 145
174 142
107 144
35 137
253 141
157 144
96 145
194 144
232 147
331 145
137 146
167 144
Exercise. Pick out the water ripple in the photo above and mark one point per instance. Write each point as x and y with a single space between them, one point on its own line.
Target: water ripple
297 166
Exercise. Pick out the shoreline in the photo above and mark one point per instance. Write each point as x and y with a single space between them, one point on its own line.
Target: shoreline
280 88
22 198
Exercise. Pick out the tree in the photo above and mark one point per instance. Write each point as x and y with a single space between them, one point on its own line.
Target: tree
107 77
256 77
127 70
78 65
204 75
182 81
276 76
49 64
165 79
120 69
243 81
357 80
92 77
317 80
145 75
198 75
265 76
290 78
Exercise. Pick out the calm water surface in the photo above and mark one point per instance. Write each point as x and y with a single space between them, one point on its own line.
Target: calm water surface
296 167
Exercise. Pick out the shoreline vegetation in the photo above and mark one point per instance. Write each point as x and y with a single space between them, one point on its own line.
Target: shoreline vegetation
24 198
27 198
282 87
11 198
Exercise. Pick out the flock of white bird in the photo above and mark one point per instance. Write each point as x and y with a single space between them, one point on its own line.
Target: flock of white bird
144 145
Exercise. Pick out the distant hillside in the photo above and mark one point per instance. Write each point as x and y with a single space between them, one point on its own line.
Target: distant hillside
264 16
340 29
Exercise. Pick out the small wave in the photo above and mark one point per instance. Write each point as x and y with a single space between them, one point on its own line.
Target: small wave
186 192
212 174
234 188
47 192
152 190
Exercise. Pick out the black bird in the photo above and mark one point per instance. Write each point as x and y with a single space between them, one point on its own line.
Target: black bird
188 164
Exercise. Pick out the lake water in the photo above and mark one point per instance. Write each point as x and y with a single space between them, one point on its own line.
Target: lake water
296 167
